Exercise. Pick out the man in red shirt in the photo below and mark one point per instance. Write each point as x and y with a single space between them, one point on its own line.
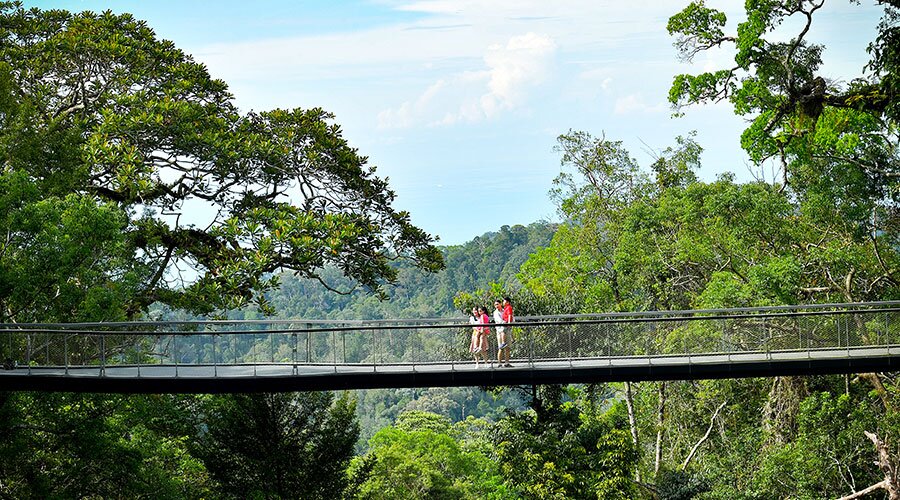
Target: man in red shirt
503 349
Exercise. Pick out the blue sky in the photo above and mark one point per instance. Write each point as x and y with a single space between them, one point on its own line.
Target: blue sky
459 102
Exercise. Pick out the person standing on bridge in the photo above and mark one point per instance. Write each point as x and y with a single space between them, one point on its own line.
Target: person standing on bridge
478 345
501 331
503 348
484 320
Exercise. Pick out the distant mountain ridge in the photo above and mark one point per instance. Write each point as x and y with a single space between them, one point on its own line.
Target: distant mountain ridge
492 257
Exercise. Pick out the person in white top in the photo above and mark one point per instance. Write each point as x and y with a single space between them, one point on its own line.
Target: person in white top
501 331
478 345
502 345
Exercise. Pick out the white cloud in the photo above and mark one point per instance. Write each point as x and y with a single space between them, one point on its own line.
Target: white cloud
634 103
510 71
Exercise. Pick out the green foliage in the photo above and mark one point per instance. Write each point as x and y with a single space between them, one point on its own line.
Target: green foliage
680 243
679 485
697 26
379 408
416 458
278 445
567 450
686 243
77 446
61 255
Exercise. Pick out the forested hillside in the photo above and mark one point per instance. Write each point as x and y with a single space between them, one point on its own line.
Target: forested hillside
491 258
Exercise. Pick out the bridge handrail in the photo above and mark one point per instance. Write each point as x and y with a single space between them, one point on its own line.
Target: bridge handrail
146 327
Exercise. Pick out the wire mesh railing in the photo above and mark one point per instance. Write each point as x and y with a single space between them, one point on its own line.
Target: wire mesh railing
420 343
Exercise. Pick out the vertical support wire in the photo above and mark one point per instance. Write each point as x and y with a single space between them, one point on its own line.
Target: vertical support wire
139 355
453 358
725 331
294 350
215 360
847 332
102 355
175 352
530 346
609 332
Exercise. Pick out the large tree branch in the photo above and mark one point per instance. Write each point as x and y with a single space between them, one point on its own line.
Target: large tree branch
709 429
861 493
799 40
890 482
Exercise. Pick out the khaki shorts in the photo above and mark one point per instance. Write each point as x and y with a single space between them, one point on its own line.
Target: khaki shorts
500 338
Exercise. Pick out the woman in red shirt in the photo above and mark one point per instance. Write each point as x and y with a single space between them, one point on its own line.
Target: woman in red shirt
503 350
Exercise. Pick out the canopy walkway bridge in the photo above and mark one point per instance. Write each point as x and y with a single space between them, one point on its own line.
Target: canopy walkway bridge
289 355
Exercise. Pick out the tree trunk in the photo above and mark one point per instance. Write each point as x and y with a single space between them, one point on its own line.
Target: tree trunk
632 423
660 421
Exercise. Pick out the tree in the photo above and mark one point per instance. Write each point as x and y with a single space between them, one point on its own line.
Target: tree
837 143
418 458
837 146
103 126
278 445
568 449
682 243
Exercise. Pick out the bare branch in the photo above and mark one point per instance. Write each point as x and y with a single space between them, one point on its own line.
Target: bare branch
709 429
861 493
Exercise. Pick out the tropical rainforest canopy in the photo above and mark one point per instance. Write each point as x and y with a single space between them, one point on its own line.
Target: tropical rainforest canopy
130 183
